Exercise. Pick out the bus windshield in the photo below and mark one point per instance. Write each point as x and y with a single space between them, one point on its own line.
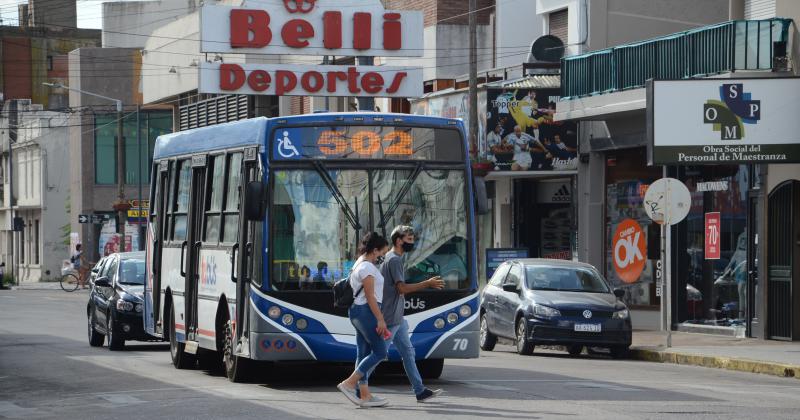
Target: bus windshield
318 215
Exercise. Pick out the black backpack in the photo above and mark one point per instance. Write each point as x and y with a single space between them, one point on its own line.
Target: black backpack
343 296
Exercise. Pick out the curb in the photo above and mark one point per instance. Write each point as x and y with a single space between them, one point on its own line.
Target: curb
718 362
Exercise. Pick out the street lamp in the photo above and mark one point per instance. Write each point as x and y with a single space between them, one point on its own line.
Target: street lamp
121 205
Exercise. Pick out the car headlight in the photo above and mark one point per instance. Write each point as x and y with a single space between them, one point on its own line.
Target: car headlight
546 312
124 305
623 314
139 307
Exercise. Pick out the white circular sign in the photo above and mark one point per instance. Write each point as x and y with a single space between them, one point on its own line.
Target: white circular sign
667 201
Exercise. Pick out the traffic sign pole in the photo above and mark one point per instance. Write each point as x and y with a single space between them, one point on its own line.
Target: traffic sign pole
667 226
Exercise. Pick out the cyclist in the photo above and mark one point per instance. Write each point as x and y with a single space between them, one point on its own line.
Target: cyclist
80 265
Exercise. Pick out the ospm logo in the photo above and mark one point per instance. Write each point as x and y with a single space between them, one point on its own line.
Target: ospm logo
734 109
415 303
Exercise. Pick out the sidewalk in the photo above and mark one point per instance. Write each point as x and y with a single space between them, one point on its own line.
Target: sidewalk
45 285
778 358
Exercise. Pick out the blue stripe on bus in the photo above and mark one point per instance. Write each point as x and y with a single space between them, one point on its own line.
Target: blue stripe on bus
326 348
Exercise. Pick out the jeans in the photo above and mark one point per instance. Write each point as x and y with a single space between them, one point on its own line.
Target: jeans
402 341
370 347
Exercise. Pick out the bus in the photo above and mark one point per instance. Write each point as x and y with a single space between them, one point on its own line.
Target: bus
252 222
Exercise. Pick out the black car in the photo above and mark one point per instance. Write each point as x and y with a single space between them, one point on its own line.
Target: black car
553 302
115 305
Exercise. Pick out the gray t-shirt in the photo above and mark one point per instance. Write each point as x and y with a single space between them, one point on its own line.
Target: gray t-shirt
394 303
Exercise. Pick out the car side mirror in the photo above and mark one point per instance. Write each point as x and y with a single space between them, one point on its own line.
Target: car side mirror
509 287
255 194
102 282
619 293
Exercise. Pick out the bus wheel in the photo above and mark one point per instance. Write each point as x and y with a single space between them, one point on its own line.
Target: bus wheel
235 367
430 368
180 359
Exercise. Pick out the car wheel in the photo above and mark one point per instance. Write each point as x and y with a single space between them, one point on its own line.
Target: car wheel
524 346
180 359
575 350
95 338
115 342
430 368
487 339
619 352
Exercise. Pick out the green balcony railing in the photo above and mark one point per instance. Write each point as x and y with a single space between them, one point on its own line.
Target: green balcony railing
725 47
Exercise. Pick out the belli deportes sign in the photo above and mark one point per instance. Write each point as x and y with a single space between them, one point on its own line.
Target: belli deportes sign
311 27
724 121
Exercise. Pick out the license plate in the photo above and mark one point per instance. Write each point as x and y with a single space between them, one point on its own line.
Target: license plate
587 327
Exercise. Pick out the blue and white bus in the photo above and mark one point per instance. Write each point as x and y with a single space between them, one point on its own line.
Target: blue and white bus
252 222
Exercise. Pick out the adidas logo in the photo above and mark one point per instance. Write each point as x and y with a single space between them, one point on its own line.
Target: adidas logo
562 195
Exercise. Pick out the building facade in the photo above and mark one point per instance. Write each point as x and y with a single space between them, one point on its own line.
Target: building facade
725 294
35 192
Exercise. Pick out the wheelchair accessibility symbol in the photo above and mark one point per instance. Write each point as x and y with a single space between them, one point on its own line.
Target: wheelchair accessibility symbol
285 147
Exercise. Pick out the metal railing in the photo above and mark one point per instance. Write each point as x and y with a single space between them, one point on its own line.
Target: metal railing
725 47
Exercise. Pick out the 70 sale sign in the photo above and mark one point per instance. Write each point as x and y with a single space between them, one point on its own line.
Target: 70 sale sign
712 236
630 250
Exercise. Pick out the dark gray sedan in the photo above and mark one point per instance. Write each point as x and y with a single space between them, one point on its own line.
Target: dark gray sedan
553 302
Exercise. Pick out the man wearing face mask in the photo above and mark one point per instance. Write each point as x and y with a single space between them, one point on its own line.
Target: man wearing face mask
394 289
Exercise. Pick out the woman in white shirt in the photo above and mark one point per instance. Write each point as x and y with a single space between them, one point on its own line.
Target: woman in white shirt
365 314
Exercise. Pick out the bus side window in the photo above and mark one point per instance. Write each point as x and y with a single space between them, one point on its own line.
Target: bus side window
230 228
169 193
213 205
181 202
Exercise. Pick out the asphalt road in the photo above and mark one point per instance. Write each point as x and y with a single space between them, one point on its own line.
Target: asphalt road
48 370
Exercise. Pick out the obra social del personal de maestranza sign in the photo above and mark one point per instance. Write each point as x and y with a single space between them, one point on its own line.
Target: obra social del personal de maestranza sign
309 27
724 121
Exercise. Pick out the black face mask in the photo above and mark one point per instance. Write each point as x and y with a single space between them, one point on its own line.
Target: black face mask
408 247
379 260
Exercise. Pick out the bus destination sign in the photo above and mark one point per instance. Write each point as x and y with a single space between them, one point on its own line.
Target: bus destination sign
367 142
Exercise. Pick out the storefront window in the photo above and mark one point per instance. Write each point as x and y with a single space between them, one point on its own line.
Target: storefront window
713 282
629 230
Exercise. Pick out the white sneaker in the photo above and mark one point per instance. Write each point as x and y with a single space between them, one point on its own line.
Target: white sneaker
349 393
374 402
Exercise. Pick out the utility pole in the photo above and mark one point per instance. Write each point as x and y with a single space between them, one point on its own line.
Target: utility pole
473 78
121 208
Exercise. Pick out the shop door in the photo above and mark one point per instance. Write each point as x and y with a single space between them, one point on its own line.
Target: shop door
783 285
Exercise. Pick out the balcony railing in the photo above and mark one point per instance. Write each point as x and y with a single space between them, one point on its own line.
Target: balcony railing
726 47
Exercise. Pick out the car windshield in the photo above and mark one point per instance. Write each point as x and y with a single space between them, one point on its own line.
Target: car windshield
565 279
132 271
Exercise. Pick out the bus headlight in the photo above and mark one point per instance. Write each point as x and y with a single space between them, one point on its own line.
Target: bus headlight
452 318
439 323
465 311
287 319
301 324
274 312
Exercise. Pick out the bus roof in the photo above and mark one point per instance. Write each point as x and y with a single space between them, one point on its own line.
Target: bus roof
253 131
233 134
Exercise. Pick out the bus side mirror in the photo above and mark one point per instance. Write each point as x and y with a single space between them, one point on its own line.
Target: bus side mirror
255 199
481 198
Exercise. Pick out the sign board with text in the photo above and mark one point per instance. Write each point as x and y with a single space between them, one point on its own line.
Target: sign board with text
497 256
311 27
713 235
724 121
304 80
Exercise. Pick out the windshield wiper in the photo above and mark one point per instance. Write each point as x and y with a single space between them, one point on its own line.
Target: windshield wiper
400 195
337 195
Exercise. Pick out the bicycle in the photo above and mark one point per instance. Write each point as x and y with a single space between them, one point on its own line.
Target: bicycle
69 282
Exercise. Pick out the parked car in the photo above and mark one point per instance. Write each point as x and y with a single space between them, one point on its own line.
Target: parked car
553 302
115 308
96 269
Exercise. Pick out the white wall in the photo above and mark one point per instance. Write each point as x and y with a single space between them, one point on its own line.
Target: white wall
518 26
576 21
128 24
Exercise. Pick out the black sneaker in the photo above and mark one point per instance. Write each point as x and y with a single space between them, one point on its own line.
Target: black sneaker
427 394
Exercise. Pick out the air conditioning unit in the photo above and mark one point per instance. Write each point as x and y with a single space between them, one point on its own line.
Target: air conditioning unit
545 55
